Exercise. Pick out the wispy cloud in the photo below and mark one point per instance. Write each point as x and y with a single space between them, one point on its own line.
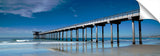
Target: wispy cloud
74 11
75 15
26 8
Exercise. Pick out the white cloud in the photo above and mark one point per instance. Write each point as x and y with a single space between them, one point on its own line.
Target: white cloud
26 8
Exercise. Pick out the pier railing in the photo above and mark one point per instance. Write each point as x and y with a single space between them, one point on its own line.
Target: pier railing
120 15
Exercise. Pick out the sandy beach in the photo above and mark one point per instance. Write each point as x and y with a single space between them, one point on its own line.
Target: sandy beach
68 48
133 50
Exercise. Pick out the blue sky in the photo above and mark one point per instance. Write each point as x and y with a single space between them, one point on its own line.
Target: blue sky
18 18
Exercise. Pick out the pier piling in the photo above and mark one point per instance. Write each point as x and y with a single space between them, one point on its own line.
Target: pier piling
91 33
133 32
62 34
59 35
111 34
77 34
71 34
117 33
66 35
102 33
96 33
85 33
82 34
140 33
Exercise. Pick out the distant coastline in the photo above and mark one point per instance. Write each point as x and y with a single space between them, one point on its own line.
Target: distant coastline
157 36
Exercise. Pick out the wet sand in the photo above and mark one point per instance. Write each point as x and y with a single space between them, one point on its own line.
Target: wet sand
133 50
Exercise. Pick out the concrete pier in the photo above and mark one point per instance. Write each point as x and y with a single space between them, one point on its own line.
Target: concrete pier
116 19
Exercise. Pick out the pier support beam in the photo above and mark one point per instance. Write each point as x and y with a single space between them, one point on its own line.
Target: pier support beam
140 33
49 35
56 35
96 33
66 35
111 33
91 34
59 35
85 33
53 35
82 34
62 34
71 34
77 35
133 32
117 33
102 33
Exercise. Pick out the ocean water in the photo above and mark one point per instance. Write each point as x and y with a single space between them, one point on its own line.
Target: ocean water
41 47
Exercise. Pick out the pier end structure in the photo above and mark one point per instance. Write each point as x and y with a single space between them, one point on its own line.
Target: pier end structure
36 34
